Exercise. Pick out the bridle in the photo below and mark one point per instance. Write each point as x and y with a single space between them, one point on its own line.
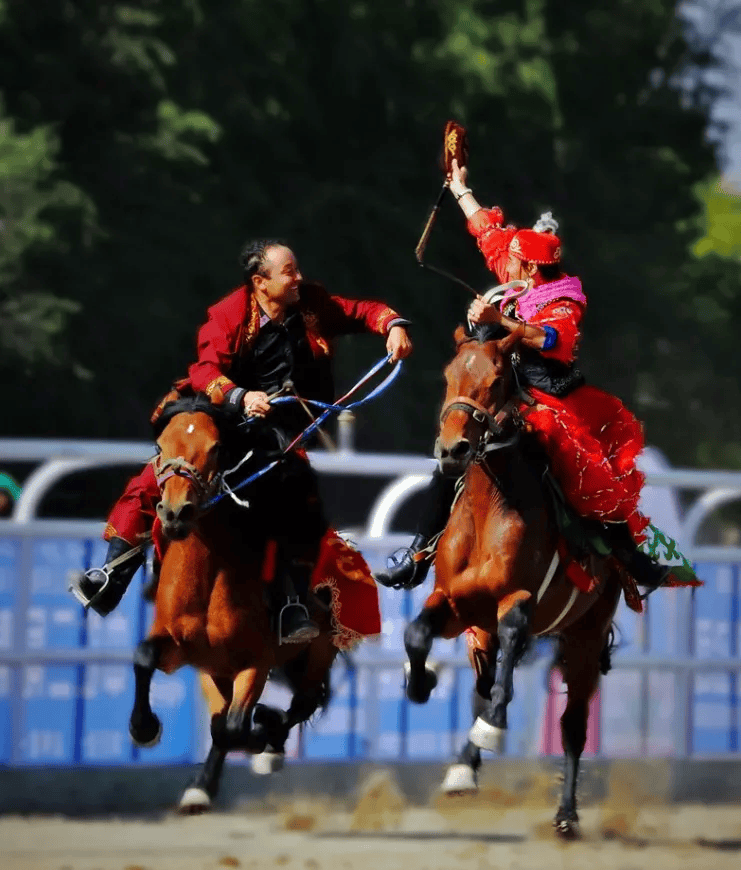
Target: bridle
493 436
178 466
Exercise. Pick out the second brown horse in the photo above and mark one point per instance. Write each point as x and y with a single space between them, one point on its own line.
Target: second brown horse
498 573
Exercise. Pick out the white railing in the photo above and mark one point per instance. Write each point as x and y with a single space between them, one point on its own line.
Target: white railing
685 661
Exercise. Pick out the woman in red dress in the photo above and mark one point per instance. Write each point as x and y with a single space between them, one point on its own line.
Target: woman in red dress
591 439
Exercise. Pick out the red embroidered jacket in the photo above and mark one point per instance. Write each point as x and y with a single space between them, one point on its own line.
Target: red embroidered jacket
234 321
231 329
564 315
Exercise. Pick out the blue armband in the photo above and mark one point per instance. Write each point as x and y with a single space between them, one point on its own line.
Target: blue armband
551 337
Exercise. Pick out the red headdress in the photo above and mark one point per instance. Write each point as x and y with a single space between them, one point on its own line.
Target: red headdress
534 247
540 245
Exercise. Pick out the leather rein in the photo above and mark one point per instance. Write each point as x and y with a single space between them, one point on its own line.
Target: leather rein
493 437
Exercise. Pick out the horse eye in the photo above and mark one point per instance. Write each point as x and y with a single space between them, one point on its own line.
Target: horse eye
157 447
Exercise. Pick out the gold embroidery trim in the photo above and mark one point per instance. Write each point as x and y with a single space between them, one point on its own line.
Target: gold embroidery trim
221 382
384 317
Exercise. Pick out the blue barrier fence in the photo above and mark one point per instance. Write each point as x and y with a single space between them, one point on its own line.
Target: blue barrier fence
66 682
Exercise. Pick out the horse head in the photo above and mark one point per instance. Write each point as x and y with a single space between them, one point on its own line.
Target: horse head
479 391
189 436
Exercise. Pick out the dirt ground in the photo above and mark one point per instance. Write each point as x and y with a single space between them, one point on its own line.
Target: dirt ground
381 832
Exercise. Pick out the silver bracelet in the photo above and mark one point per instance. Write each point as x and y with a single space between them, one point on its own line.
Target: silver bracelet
463 193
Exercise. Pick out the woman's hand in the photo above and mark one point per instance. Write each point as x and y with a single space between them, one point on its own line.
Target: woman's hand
458 178
482 312
399 345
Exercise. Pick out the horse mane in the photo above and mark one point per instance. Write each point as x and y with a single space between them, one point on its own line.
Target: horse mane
484 332
224 417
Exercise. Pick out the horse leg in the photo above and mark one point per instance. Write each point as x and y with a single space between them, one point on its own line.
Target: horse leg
418 637
308 677
462 775
489 729
203 788
233 728
583 651
154 652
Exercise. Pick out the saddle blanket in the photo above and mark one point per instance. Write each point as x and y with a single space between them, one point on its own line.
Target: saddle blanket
658 545
355 609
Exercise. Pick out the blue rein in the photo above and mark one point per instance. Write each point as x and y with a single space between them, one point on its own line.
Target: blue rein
328 410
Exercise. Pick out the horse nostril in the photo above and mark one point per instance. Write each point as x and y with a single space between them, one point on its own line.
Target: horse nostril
165 514
440 451
187 513
461 450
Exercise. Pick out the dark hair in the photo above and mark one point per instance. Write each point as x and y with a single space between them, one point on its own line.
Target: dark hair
551 271
252 257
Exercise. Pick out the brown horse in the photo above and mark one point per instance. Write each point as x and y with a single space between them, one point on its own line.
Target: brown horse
211 605
497 568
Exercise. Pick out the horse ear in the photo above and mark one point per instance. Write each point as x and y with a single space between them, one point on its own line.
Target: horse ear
460 335
509 344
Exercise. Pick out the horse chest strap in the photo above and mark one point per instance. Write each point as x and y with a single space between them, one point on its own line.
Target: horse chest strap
549 575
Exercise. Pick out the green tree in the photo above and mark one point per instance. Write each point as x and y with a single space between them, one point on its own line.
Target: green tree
191 126
32 317
93 73
722 220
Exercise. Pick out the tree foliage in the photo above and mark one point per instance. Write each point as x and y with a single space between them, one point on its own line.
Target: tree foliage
184 127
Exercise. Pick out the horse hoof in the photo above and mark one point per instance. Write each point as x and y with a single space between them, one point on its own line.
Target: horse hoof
460 779
265 763
194 802
567 829
419 691
147 734
487 736
567 825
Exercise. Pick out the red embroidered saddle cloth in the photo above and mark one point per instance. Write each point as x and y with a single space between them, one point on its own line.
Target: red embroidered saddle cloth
355 610
342 569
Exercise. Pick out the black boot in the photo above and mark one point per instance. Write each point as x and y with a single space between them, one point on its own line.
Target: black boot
103 588
404 571
647 572
294 623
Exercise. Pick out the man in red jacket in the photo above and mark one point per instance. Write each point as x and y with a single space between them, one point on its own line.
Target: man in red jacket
273 329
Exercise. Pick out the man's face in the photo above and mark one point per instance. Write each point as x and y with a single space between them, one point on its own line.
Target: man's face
281 278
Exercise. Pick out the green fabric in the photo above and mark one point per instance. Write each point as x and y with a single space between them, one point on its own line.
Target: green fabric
7 482
584 536
658 545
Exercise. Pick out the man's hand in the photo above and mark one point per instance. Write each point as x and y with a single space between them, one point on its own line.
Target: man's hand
256 404
482 312
399 344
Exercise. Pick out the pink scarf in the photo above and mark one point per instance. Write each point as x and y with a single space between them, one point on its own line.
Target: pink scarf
531 302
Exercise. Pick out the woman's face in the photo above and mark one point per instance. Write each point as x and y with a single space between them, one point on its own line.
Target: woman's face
517 269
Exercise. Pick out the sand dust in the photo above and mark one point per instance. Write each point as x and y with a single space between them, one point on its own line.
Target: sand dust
507 828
